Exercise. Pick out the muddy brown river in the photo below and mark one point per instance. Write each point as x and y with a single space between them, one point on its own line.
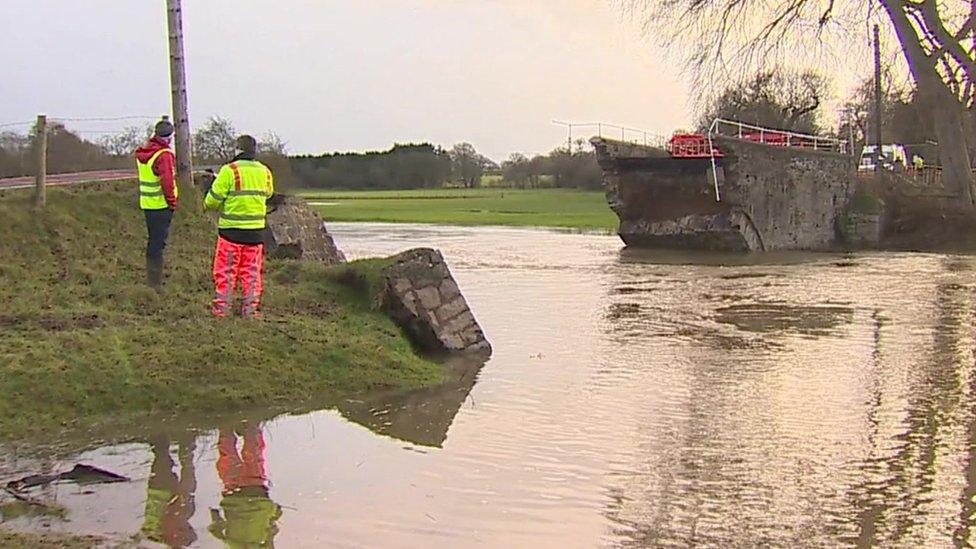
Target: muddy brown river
635 399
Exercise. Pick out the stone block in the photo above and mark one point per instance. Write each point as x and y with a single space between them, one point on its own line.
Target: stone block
452 308
461 322
430 297
453 342
409 300
296 232
436 316
449 289
402 285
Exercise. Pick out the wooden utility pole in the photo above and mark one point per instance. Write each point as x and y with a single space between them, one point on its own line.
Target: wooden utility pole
40 152
177 73
877 98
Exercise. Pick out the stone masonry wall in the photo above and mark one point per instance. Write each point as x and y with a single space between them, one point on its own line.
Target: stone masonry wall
794 197
424 299
771 197
664 202
297 232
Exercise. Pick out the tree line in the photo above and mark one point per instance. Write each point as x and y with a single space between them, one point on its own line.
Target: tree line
776 98
404 166
69 151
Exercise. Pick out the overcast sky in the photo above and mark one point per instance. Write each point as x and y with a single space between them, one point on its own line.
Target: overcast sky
329 75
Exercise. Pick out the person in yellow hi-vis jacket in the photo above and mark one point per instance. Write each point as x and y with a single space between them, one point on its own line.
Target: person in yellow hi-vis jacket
170 499
158 195
240 193
249 516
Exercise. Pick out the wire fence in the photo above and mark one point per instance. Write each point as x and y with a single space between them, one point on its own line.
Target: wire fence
98 143
104 119
15 124
82 121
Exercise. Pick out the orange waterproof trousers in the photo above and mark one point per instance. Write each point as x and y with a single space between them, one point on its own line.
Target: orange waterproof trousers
241 469
238 265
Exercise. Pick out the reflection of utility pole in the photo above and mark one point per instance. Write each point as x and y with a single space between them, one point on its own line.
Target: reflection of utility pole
877 97
177 72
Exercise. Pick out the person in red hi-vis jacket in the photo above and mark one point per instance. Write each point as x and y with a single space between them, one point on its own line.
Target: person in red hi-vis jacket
240 193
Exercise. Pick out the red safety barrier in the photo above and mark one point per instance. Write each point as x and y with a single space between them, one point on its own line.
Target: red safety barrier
695 145
691 145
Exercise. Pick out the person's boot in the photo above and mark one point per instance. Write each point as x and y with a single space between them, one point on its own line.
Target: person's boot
154 273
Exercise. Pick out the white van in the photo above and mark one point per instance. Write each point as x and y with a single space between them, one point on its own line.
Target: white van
889 155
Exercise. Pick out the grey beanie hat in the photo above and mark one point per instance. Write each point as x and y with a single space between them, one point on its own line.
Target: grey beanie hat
164 128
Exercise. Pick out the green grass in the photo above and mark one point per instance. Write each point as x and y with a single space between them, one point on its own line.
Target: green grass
585 210
49 541
82 338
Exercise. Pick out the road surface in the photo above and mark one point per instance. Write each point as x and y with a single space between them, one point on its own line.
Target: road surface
67 178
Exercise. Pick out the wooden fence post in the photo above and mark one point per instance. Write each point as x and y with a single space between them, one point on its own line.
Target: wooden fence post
40 150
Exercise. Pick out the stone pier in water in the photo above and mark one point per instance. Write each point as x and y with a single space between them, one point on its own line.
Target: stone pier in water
770 198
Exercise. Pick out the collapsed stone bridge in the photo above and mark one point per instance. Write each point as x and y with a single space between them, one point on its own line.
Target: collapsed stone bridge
769 197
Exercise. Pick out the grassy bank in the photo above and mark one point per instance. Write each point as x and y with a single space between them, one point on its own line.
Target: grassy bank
51 541
82 338
585 210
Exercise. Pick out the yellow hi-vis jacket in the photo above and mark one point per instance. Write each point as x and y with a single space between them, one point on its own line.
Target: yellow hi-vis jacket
151 195
240 192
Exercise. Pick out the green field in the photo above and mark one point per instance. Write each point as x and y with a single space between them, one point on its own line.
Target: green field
584 210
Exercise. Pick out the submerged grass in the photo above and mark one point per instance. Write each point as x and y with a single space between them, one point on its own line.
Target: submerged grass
51 541
584 210
82 338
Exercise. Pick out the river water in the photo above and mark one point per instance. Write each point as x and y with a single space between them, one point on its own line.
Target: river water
634 399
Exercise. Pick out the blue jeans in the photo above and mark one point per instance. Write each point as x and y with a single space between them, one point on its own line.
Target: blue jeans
157 225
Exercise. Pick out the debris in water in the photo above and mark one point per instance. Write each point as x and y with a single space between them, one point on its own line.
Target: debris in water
82 474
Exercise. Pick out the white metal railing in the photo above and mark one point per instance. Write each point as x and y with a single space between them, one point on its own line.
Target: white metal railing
768 136
625 134
771 136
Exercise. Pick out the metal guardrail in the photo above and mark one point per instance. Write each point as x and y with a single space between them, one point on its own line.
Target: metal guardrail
926 176
768 136
774 137
613 131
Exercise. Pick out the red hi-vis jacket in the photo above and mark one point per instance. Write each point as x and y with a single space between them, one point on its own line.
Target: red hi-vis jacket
164 167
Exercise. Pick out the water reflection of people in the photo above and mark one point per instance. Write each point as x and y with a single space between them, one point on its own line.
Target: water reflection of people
170 498
249 516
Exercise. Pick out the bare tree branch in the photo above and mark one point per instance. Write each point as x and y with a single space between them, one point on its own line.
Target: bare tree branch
950 44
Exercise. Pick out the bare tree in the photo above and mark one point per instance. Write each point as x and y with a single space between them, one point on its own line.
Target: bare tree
124 142
273 151
214 141
272 144
937 39
786 100
942 65
468 165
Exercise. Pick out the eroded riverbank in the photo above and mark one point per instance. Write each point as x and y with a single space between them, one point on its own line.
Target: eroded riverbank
634 399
